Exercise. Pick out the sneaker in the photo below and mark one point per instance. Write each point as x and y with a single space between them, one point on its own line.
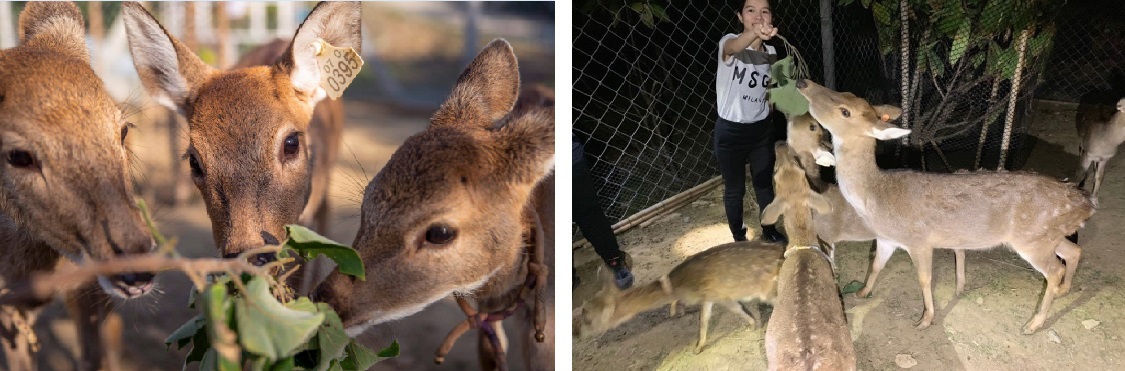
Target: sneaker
622 277
771 234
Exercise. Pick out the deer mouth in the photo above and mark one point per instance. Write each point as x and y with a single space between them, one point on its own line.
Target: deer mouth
128 285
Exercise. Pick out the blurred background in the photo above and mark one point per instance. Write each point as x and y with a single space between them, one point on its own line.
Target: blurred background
413 53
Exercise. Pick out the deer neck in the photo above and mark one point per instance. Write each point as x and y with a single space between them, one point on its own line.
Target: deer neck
640 299
798 224
856 170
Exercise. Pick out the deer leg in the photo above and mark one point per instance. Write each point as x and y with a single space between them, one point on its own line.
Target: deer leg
883 251
1070 254
672 308
704 320
87 306
736 308
1044 261
485 352
923 263
1083 169
1099 172
959 261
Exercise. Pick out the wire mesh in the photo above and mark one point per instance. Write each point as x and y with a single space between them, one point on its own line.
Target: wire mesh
644 79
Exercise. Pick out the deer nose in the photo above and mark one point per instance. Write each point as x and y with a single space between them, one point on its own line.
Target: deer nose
802 83
133 284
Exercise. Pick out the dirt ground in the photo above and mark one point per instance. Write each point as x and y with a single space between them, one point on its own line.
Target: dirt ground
978 331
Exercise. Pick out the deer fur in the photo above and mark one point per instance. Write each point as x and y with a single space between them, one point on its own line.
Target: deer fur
1100 138
808 328
472 176
730 275
920 211
842 224
240 119
71 200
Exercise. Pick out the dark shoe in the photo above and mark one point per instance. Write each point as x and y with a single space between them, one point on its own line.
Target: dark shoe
740 235
771 234
622 277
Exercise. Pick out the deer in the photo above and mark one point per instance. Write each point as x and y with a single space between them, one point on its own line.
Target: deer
731 275
262 138
1031 213
451 213
67 194
841 224
808 329
1100 139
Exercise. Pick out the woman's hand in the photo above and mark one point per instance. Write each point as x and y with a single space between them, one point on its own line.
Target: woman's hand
765 31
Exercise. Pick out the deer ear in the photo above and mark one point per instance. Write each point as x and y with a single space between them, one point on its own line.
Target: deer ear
339 24
884 131
527 145
772 212
168 69
485 91
824 157
60 22
820 203
888 113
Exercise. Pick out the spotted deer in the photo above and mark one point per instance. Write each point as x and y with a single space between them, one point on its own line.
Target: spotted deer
808 329
66 192
842 224
730 275
450 211
262 138
917 211
1100 138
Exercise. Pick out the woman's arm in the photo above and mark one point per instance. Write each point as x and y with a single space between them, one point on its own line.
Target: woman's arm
739 43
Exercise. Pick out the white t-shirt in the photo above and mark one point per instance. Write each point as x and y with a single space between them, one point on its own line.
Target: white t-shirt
741 83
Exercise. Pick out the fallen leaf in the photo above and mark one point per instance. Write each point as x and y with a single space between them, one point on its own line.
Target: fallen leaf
905 361
1090 323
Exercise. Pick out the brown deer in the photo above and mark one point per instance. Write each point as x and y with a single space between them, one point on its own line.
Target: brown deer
67 192
262 138
1033 214
807 138
1100 138
808 329
450 211
730 275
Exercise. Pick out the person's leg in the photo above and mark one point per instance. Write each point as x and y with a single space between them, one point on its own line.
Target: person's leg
762 158
731 156
593 223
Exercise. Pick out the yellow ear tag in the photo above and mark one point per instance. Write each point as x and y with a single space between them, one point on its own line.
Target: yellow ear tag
885 118
338 67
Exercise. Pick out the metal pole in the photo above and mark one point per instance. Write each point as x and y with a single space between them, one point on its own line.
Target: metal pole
826 43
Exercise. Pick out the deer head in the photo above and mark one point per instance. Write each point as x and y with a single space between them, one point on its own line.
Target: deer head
848 116
444 216
248 153
65 175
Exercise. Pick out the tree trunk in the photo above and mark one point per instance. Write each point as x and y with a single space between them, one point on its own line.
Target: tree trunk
904 17
1013 97
827 44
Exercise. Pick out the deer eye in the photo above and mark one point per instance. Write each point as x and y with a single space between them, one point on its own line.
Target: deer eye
440 234
291 145
196 171
124 132
20 158
845 112
812 127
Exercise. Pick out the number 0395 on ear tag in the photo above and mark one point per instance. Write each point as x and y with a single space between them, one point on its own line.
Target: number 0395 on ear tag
338 67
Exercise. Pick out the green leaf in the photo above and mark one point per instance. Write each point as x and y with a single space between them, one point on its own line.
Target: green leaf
199 348
936 65
881 13
960 43
209 361
310 244
182 336
335 366
646 18
851 287
268 328
658 12
286 364
217 309
785 97
332 339
977 59
360 358
866 3
302 304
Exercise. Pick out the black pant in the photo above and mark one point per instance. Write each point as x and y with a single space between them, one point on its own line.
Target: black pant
588 215
736 145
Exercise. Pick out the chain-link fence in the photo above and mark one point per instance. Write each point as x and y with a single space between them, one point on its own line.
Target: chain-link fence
644 88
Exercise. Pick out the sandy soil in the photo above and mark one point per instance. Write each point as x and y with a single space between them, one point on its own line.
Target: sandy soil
979 330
